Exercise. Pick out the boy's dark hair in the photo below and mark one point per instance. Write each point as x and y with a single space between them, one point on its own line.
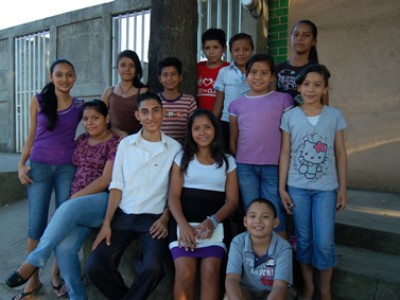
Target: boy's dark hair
268 59
241 36
317 68
170 62
147 96
266 202
214 34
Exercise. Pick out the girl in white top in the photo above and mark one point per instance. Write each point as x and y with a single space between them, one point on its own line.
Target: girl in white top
203 193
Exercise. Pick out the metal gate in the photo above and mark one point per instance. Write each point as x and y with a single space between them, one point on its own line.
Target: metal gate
32 58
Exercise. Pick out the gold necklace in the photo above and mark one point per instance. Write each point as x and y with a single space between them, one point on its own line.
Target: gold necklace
122 91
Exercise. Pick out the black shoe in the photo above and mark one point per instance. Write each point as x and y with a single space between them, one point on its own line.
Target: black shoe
15 280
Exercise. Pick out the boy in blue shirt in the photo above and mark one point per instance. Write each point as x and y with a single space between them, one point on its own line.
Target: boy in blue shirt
260 261
231 81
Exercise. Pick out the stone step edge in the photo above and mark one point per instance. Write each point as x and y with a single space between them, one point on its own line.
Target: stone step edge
11 189
367 238
380 266
364 274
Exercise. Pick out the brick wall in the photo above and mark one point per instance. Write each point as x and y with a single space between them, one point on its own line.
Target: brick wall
278 29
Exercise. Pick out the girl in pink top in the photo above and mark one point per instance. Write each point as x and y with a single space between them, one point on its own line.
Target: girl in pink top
255 136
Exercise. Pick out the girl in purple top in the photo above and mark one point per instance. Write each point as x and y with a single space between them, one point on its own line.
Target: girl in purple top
73 221
255 137
54 117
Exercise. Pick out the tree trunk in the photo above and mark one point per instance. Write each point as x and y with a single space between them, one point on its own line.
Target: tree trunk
174 33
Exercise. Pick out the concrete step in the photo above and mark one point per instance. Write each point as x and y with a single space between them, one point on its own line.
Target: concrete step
366 275
10 187
370 221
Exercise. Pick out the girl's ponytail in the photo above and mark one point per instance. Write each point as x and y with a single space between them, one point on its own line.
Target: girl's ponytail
48 105
313 56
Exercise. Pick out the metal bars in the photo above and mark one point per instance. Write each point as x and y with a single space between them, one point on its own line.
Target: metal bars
32 59
131 31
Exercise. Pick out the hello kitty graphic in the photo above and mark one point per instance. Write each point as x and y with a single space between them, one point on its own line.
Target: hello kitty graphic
312 157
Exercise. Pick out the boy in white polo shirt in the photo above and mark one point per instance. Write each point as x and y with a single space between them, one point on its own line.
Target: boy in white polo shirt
136 207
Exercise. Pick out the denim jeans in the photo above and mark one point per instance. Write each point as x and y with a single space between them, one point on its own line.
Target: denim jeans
102 266
257 181
66 233
46 178
314 215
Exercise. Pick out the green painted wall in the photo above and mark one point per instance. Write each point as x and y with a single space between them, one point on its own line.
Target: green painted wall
278 29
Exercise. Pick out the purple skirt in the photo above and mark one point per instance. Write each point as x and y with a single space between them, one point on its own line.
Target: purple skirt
211 251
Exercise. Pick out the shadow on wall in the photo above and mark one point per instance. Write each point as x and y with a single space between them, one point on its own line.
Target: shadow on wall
376 168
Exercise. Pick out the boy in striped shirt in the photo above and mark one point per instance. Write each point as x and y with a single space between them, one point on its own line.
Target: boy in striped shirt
177 106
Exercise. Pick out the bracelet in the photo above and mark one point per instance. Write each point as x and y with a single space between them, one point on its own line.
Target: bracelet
214 220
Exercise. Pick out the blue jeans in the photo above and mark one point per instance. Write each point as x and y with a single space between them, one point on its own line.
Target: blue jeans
314 215
66 233
102 266
46 178
257 181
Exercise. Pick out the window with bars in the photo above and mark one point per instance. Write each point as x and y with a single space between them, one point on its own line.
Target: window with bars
129 31
32 60
224 14
132 31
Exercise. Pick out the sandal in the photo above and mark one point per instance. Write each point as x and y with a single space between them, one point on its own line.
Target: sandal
57 289
23 294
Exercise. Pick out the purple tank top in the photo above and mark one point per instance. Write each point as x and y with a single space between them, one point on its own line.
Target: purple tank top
57 146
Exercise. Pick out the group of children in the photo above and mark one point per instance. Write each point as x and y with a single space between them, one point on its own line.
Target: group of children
286 156
249 96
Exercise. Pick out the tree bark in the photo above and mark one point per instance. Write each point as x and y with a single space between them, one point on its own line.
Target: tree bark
174 33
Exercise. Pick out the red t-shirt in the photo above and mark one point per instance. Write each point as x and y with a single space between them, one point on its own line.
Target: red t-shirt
205 84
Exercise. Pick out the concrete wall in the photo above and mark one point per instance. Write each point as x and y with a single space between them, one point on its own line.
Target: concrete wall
359 42
82 36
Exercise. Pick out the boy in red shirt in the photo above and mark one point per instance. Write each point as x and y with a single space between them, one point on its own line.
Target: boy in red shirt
214 46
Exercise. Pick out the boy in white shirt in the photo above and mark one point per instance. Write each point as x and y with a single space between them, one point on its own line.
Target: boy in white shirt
136 207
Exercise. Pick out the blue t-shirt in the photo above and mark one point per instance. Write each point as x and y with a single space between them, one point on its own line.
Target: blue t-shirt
312 163
233 83
260 277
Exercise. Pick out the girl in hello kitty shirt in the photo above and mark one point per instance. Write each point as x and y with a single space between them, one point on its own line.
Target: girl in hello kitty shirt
313 176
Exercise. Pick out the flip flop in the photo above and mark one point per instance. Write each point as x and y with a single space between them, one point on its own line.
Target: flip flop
23 294
57 289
